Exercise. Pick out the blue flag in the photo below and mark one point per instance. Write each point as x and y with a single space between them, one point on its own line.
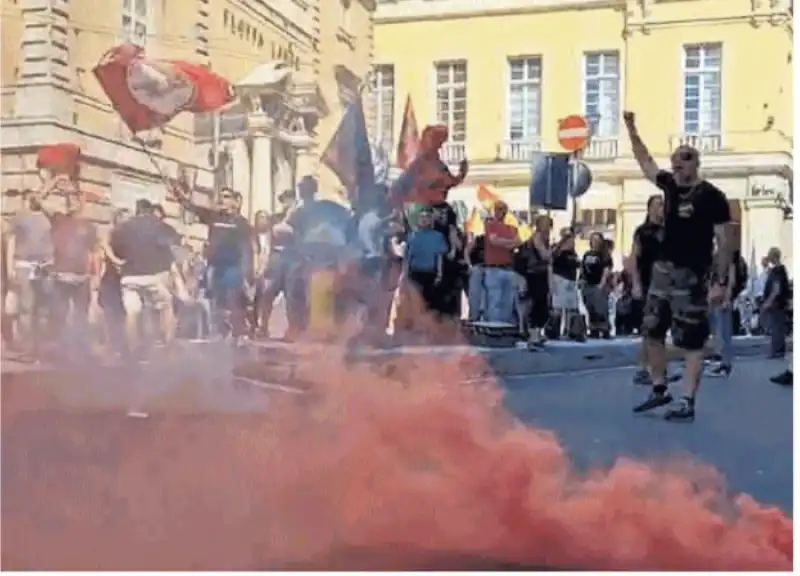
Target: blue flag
349 156
550 181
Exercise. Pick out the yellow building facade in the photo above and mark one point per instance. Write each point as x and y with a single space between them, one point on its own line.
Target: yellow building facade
716 74
261 145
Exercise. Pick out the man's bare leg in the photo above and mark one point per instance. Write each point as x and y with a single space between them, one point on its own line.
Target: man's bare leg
642 376
132 331
168 325
655 356
692 372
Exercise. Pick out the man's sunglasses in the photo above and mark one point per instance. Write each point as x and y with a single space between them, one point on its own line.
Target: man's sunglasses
686 156
225 197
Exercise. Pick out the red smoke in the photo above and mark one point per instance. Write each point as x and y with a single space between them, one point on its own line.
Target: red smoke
410 471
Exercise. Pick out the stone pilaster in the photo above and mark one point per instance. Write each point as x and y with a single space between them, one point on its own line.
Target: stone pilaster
264 195
45 69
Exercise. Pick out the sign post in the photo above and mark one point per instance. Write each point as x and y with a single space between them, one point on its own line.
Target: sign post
573 135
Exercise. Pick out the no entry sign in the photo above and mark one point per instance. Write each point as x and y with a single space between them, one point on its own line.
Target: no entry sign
573 133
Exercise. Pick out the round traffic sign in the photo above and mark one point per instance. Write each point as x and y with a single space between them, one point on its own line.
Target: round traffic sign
581 179
573 133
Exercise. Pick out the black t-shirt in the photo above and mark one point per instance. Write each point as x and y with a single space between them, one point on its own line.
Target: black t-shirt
778 277
593 265
478 250
566 264
650 239
444 217
691 212
145 244
230 238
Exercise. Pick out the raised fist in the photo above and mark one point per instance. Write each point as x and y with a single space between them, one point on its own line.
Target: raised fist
629 118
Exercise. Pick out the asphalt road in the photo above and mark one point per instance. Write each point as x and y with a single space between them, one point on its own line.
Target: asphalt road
743 425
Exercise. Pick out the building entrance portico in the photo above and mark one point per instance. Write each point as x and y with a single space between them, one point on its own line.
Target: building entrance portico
265 143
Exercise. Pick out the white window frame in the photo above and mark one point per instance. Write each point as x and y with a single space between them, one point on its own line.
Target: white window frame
451 86
702 70
606 127
382 93
530 133
147 20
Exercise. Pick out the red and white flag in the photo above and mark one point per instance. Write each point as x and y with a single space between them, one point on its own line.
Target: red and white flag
149 93
408 145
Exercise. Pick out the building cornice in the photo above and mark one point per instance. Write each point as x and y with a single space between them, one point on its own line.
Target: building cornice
618 170
397 11
22 135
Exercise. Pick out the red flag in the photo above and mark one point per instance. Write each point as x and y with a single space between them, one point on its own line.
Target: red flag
408 145
149 93
62 158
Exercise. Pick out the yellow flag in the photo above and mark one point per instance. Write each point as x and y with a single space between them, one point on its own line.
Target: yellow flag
524 232
475 223
511 220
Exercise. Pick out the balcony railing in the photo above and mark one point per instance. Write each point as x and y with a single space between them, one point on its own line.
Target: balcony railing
519 150
454 152
705 143
602 148
231 124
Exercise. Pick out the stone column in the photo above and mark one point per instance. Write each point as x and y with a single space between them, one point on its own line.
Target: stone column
262 191
45 61
242 172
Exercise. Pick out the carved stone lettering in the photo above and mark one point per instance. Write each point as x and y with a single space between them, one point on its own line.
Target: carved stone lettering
253 34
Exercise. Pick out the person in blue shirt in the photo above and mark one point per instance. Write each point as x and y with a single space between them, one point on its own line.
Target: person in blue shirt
425 252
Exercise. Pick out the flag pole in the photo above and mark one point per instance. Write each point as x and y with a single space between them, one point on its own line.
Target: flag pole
215 137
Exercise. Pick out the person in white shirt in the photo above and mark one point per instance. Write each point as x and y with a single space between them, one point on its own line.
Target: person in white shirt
760 281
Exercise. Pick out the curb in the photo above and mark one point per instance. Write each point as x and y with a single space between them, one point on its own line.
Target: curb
515 362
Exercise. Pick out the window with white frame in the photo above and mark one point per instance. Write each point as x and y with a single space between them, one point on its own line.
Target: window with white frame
524 99
451 98
601 92
135 18
384 105
702 89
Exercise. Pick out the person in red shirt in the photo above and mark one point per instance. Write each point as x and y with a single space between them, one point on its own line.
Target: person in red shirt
501 280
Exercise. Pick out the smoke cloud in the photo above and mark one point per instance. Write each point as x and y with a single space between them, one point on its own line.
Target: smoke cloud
403 469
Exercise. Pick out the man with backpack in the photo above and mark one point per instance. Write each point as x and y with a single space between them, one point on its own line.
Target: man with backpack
731 281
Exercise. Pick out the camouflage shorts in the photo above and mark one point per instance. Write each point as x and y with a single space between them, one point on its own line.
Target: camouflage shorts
678 301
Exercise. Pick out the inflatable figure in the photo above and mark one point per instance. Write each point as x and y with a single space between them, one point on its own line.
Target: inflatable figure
428 179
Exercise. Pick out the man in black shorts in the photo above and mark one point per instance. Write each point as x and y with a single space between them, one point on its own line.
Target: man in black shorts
694 212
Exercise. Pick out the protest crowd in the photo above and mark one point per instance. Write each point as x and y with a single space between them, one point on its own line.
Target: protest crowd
363 274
